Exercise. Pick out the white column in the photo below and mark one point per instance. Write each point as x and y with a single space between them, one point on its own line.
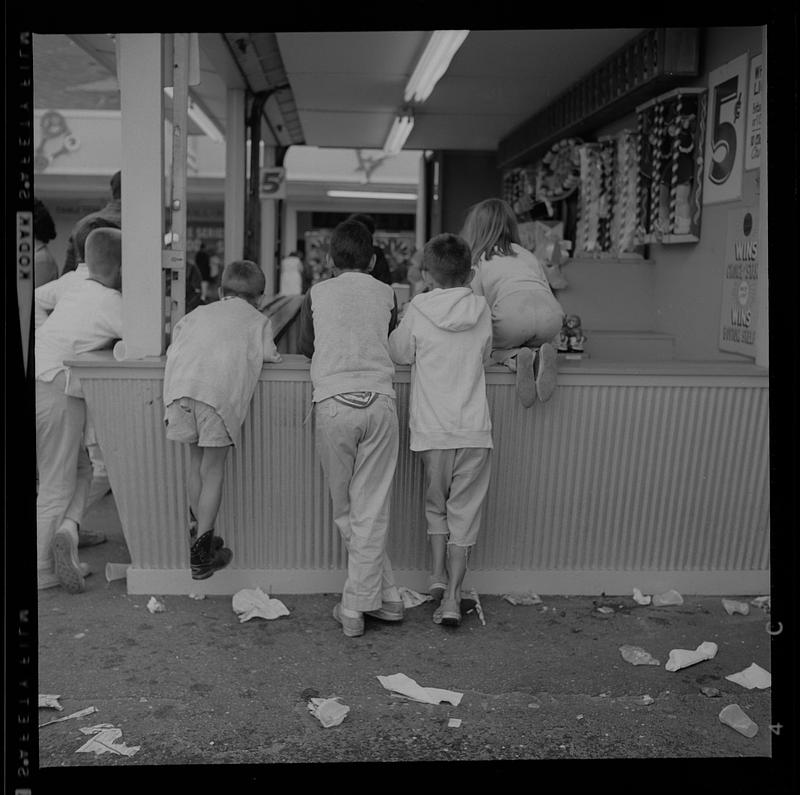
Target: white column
762 331
235 174
140 83
268 231
289 229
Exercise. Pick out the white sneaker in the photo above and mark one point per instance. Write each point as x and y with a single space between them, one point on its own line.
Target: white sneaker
67 565
46 579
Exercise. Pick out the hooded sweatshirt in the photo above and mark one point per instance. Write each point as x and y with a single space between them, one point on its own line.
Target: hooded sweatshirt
446 337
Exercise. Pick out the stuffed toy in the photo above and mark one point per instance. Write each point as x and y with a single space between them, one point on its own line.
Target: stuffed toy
571 337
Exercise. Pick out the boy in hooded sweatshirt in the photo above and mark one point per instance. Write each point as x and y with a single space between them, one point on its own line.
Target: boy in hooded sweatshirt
446 337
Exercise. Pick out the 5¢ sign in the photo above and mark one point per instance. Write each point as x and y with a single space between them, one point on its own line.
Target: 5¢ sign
273 183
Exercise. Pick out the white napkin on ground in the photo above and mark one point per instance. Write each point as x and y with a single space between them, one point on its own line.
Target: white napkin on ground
754 676
400 683
254 603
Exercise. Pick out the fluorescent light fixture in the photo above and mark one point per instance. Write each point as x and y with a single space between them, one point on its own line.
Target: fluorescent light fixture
197 115
433 63
366 194
398 135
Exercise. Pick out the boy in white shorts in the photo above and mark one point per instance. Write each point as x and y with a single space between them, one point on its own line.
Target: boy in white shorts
446 337
212 369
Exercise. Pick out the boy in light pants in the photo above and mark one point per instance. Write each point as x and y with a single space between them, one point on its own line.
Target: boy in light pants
446 337
344 328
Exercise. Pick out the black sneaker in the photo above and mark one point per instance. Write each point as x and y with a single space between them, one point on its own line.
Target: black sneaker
207 556
218 541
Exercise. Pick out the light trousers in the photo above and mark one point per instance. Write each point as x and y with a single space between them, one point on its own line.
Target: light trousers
524 319
358 451
65 471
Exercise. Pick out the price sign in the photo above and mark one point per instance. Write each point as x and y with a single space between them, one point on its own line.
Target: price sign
755 114
273 183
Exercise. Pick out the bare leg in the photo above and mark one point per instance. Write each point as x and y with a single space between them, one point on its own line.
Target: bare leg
438 543
212 470
457 563
195 461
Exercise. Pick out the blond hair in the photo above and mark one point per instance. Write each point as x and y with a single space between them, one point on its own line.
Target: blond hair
490 228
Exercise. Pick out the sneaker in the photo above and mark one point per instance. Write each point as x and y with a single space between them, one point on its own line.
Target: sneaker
46 579
437 588
89 538
351 626
450 613
67 566
547 372
85 570
526 382
388 611
207 556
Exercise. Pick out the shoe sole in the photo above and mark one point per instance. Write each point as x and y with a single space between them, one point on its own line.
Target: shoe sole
351 633
66 564
90 541
451 620
379 614
526 383
548 372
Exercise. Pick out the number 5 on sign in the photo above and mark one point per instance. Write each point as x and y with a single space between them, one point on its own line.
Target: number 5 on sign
725 144
273 183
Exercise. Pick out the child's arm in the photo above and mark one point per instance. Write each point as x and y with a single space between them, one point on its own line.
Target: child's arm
270 351
486 320
393 316
45 298
305 343
401 340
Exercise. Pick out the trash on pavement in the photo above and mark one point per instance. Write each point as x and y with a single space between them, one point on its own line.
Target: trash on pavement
636 655
79 635
645 700
753 677
197 596
405 685
732 606
50 702
79 714
640 598
106 740
683 658
328 711
764 602
710 692
254 603
154 606
413 598
454 723
667 598
117 571
473 597
605 609
734 716
527 598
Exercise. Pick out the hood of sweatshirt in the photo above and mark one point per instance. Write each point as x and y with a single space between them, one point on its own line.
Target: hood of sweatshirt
453 309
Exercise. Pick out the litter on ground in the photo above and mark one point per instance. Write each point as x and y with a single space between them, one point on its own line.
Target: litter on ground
49 702
197 596
107 739
732 606
605 609
527 598
413 598
636 655
454 723
761 601
473 596
154 606
405 685
79 714
254 603
710 692
667 598
328 711
116 571
753 677
640 598
735 717
683 658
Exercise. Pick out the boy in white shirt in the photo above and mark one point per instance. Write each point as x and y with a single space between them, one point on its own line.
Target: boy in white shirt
446 337
212 370
87 317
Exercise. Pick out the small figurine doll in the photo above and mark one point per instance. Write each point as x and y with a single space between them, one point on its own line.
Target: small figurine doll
571 338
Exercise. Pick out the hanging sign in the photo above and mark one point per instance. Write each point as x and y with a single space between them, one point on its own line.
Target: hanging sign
273 183
739 315
725 139
755 106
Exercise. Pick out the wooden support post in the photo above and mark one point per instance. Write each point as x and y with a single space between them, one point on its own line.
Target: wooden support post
235 174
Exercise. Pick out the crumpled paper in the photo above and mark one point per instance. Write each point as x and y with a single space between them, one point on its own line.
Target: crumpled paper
328 711
636 655
106 740
764 602
49 702
154 606
735 717
405 685
683 658
413 598
754 676
473 596
254 603
667 598
527 598
640 598
732 606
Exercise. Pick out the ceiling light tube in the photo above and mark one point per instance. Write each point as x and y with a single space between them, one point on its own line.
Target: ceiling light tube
398 135
433 63
197 115
366 194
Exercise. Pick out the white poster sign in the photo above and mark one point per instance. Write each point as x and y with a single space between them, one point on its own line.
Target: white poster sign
755 111
725 139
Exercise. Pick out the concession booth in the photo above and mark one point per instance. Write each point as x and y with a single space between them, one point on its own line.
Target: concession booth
635 160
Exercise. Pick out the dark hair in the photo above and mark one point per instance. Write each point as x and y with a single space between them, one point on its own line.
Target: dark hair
242 278
116 185
104 250
84 229
448 259
44 230
351 246
367 220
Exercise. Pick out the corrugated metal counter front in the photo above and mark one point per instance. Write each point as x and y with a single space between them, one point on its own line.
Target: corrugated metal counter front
653 475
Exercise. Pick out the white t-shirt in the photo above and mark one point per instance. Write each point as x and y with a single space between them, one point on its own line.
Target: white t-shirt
47 295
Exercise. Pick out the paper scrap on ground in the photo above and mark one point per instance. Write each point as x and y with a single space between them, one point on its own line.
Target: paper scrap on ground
683 658
473 595
50 702
527 598
454 723
734 716
405 685
605 609
640 598
645 700
79 714
328 711
106 740
667 598
636 655
732 606
761 601
753 677
710 692
154 606
254 603
413 598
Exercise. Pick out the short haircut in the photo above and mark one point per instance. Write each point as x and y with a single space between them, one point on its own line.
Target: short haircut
367 220
448 259
104 251
84 229
44 230
351 246
242 278
116 185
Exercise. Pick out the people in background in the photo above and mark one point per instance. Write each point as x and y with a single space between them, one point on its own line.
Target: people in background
526 316
86 317
112 213
380 270
212 369
344 328
201 260
291 281
45 268
446 337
